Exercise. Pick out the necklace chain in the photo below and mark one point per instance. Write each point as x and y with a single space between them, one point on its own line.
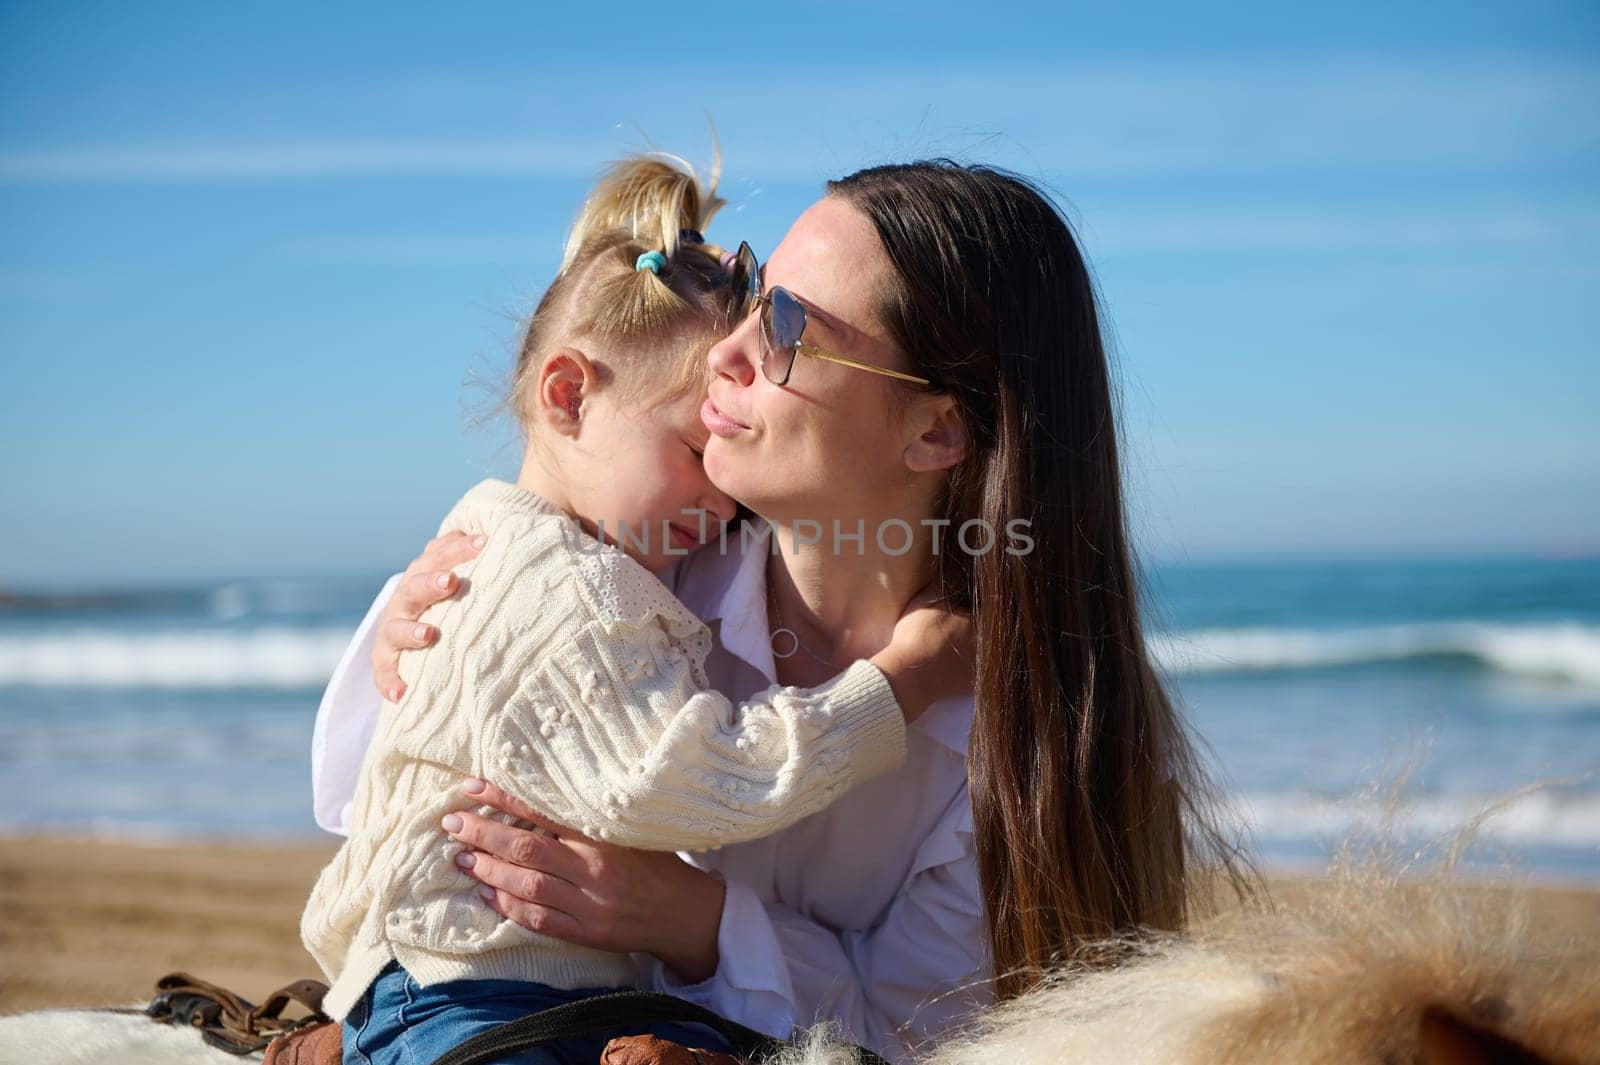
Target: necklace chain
794 639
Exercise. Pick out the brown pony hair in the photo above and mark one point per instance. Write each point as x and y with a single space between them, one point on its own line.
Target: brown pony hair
1082 774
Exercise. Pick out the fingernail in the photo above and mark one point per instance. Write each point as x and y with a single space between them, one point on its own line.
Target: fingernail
394 695
420 632
479 541
466 859
474 786
444 580
451 822
487 892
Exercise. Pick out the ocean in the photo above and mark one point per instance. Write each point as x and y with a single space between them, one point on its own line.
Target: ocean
187 712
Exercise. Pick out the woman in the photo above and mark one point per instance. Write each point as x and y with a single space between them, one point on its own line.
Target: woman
951 390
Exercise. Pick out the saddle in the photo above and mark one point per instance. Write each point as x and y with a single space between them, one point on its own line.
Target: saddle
322 1044
230 1022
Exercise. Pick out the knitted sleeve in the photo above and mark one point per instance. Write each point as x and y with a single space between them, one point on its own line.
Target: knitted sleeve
613 736
609 724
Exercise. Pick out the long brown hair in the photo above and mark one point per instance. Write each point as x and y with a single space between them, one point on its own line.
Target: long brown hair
1089 805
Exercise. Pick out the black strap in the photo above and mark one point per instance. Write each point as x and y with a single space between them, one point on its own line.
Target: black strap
616 1010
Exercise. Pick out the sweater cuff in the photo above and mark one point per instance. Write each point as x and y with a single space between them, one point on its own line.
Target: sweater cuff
867 718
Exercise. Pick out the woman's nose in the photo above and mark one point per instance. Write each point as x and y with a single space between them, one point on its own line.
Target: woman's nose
737 355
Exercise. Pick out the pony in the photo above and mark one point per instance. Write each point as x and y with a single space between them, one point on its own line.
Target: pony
1388 961
1396 957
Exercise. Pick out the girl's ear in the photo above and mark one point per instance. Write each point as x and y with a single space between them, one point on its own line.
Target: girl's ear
566 377
938 435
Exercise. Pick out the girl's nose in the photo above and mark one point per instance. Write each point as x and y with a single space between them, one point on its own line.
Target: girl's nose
737 355
719 504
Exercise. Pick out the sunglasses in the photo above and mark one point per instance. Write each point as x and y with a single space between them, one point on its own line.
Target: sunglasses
783 323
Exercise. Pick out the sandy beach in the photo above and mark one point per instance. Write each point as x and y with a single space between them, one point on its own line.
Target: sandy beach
85 922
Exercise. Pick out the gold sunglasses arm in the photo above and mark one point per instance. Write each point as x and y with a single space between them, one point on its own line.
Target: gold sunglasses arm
817 353
828 356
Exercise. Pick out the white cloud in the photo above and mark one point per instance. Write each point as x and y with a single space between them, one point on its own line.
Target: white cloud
224 161
420 249
1078 121
1270 227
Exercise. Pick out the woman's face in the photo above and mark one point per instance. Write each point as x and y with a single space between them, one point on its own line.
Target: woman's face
832 442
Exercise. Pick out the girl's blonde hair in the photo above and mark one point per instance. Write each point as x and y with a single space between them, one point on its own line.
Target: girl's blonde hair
644 203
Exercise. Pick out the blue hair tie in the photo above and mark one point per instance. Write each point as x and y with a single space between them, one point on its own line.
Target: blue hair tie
650 260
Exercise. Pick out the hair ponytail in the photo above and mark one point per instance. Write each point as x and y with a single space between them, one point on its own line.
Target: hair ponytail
648 199
631 300
641 204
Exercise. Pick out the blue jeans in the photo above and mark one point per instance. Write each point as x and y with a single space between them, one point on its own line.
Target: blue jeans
399 1022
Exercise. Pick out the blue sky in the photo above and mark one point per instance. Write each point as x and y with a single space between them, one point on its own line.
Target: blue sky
259 264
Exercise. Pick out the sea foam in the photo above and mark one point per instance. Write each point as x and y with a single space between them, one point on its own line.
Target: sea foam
1567 652
271 657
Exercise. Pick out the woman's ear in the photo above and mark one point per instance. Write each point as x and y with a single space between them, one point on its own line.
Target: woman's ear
565 377
939 434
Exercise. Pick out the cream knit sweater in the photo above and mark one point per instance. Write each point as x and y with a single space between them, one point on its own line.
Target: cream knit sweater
575 680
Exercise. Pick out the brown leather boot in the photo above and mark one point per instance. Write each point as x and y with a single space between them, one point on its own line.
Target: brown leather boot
318 1044
653 1050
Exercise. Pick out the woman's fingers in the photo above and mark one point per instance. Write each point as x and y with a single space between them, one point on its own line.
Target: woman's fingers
394 636
418 591
398 627
528 876
529 885
427 580
389 683
534 918
447 550
404 635
485 792
524 847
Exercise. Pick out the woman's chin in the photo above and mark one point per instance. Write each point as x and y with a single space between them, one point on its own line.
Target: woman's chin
730 474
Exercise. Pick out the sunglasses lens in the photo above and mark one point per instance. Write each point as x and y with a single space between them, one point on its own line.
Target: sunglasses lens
746 277
783 323
775 361
788 318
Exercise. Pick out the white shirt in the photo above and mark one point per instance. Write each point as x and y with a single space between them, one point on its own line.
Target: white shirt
868 912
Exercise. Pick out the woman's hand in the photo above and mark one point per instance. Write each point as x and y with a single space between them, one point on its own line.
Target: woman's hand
427 580
554 880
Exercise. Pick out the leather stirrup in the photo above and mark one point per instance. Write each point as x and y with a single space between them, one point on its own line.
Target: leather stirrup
229 1021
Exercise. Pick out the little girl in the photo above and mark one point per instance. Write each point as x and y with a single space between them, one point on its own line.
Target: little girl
570 675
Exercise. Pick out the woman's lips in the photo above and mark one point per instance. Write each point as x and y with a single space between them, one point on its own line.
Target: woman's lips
718 422
683 538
